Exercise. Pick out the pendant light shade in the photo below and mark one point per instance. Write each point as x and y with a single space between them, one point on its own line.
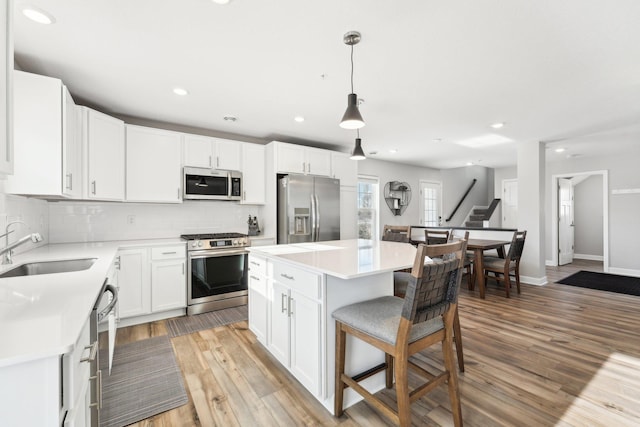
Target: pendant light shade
352 118
358 154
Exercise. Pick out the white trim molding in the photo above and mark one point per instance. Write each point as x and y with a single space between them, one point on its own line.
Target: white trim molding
624 271
537 281
589 257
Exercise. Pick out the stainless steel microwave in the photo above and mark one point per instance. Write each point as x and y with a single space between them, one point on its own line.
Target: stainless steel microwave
211 184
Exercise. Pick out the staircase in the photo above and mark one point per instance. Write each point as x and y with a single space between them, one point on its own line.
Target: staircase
478 216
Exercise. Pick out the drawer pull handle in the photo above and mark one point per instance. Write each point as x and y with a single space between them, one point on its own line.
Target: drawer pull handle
169 253
286 276
254 278
255 263
92 353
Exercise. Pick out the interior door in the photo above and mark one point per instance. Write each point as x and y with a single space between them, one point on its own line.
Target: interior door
510 203
430 204
565 221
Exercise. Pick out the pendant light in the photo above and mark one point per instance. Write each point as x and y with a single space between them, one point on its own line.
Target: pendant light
357 153
352 118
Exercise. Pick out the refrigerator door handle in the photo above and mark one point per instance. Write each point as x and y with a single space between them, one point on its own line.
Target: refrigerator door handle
313 217
317 238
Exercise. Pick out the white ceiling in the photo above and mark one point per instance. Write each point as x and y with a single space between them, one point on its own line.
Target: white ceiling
561 71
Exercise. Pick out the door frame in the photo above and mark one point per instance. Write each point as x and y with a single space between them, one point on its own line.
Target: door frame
421 201
504 181
605 214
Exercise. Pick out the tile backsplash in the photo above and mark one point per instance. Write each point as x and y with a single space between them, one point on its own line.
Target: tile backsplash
33 213
91 221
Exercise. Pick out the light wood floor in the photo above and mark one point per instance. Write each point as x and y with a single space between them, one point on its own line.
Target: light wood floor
553 355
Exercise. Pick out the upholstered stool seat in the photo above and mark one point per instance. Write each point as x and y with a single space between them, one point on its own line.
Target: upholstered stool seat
380 319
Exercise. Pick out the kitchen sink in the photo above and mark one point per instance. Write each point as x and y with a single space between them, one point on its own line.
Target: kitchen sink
49 267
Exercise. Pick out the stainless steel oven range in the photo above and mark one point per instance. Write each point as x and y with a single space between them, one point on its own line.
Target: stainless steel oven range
217 271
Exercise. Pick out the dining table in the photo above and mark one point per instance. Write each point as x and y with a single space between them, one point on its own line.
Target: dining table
478 246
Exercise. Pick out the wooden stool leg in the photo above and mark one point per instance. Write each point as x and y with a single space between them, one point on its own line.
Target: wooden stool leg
507 281
389 371
341 338
402 391
454 396
457 335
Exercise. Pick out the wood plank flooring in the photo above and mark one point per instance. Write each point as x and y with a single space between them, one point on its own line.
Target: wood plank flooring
552 356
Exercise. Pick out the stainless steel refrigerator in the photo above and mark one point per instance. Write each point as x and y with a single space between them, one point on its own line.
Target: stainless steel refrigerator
308 209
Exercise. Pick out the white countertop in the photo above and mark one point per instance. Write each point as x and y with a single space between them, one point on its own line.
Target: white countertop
345 259
42 315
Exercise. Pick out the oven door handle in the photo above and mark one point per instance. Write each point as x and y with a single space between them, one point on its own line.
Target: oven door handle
111 289
216 253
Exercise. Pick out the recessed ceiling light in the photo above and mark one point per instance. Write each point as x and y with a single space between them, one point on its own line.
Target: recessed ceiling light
393 151
299 119
180 91
38 15
221 1
230 118
469 163
559 150
497 125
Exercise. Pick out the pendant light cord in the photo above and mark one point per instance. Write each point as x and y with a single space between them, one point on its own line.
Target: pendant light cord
352 68
358 132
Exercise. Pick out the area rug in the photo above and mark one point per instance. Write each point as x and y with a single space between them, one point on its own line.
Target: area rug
189 324
604 282
145 380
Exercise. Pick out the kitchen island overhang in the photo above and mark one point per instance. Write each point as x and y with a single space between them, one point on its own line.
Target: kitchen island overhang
293 289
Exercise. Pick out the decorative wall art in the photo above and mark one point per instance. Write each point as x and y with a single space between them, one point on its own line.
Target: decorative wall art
398 196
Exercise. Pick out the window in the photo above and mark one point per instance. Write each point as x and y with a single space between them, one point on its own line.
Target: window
368 208
430 203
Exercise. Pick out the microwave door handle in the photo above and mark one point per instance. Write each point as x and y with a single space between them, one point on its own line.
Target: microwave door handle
229 185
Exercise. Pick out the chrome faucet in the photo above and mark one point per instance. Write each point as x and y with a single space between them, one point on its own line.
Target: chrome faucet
7 251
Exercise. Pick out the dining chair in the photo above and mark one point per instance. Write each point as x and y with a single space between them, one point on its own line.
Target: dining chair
396 233
403 327
503 268
436 237
469 255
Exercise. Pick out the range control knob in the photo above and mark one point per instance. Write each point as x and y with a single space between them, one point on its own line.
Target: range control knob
235 243
194 244
199 244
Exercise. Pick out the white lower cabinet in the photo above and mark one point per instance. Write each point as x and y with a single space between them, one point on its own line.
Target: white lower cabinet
258 301
294 333
152 280
168 284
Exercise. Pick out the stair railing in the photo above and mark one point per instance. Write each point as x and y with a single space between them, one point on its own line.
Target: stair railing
461 200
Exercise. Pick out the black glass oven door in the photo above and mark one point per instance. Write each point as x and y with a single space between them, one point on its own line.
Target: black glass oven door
216 276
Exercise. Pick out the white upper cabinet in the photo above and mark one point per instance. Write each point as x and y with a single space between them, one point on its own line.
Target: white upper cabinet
344 169
6 85
209 152
153 165
253 174
291 158
48 155
104 142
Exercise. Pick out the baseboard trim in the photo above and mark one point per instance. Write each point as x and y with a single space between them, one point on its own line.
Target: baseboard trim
550 263
624 271
537 281
589 257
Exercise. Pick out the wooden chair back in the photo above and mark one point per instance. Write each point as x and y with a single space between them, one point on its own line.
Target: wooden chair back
436 237
396 233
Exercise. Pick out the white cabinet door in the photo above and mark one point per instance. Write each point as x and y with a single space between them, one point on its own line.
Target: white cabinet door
278 338
291 158
253 174
153 165
168 286
6 88
305 341
105 150
71 146
318 162
198 151
344 169
348 213
258 303
134 285
227 154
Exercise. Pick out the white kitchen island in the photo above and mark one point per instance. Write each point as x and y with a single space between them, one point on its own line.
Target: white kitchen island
293 289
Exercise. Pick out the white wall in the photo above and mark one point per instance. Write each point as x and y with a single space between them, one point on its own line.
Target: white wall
90 221
455 184
388 171
588 218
